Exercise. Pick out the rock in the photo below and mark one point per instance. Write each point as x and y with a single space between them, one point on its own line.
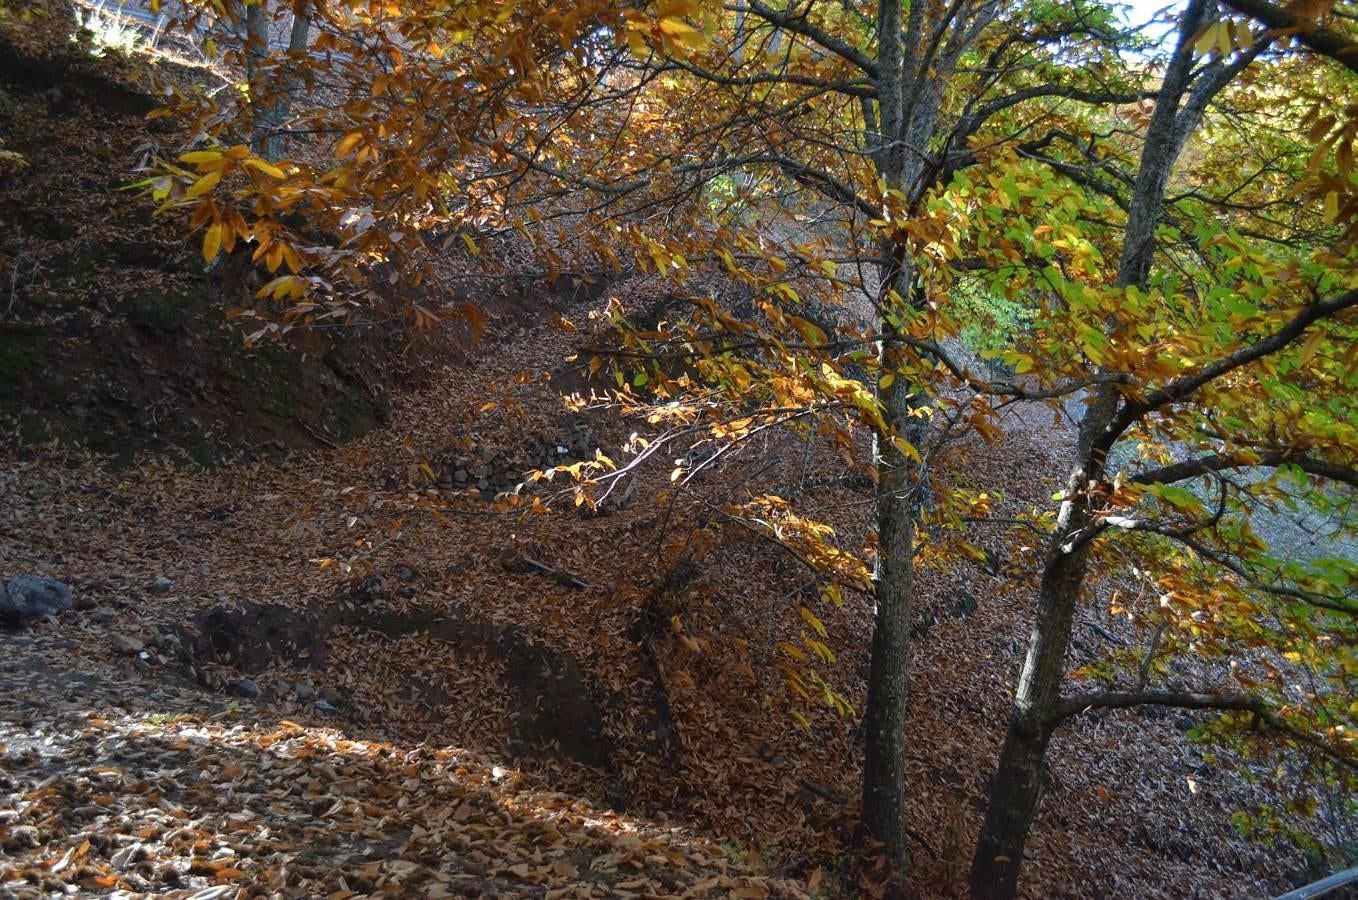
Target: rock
104 615
303 691
322 706
26 597
461 476
247 688
126 643
161 585
122 602
85 603
331 695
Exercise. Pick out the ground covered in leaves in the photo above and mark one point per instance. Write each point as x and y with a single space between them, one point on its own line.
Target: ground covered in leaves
350 673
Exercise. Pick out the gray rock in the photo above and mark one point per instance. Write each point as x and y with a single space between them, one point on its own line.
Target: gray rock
247 688
331 695
303 691
103 616
126 643
161 585
322 706
25 598
85 602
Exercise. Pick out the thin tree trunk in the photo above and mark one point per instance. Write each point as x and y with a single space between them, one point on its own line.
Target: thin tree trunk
272 105
884 754
898 488
1017 787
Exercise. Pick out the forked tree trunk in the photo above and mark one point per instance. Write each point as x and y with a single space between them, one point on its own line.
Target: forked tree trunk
1017 786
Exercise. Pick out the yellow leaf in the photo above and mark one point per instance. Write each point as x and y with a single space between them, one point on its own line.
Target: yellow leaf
1309 348
810 619
203 185
1207 40
212 241
1332 207
638 45
683 33
273 171
194 157
347 143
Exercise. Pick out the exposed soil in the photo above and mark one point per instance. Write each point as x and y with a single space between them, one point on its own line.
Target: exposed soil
115 337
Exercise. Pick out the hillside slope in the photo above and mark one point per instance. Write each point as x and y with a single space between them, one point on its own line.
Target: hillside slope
347 578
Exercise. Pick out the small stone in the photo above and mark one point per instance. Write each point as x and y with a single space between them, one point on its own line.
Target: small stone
247 688
303 691
331 695
461 476
161 585
122 602
126 643
103 616
323 706
85 602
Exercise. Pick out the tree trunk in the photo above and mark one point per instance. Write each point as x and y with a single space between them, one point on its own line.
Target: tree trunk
272 105
898 487
1017 787
884 752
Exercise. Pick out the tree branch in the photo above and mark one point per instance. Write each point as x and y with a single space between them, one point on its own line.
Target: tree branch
1181 387
1322 40
1217 462
1072 706
799 25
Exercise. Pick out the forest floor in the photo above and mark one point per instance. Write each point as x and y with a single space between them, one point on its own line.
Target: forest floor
330 675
